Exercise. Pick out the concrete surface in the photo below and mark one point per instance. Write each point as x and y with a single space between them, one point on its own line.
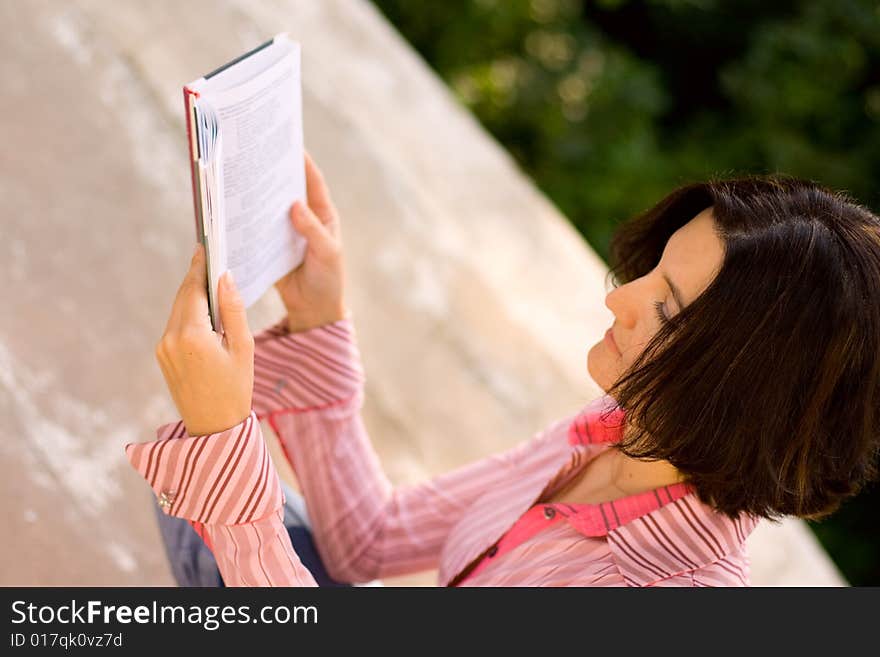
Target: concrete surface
474 300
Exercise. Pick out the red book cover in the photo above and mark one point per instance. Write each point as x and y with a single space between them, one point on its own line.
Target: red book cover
189 97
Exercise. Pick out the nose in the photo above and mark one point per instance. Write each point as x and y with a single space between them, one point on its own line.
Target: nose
618 302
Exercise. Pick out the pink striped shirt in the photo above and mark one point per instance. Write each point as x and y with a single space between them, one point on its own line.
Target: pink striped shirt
591 520
479 525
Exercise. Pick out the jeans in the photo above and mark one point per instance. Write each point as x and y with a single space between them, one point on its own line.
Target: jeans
193 564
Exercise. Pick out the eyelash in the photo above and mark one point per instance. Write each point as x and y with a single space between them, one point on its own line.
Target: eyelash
658 306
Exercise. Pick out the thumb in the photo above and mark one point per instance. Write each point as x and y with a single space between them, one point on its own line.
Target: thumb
191 303
198 272
309 226
233 314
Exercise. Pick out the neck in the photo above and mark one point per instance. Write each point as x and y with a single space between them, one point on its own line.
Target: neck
632 476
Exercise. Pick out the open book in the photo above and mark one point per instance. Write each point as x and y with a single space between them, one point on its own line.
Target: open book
244 127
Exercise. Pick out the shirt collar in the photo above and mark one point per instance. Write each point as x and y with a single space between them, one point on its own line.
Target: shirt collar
659 533
602 421
600 519
682 536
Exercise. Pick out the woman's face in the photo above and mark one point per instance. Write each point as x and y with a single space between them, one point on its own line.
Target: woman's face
691 258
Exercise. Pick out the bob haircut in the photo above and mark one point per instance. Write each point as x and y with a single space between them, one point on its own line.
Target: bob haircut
763 391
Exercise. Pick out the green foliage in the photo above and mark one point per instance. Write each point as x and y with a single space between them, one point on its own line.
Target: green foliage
852 538
609 105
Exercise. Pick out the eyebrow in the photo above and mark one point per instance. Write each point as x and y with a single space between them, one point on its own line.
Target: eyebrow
675 291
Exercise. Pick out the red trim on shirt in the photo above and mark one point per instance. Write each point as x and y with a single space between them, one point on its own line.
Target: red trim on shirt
588 519
590 427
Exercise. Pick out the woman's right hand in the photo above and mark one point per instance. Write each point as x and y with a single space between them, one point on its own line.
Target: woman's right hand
313 292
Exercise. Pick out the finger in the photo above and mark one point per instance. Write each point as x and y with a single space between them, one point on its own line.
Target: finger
317 192
191 303
307 224
233 315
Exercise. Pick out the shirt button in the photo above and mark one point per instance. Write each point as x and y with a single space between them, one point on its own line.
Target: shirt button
549 512
492 551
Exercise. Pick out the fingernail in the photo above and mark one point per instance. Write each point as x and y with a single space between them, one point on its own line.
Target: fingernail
196 249
230 280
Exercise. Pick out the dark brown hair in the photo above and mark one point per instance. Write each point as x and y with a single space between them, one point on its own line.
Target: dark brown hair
763 391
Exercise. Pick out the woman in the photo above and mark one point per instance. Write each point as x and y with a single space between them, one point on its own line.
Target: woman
741 377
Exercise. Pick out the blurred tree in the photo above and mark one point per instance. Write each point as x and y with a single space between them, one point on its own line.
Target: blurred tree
608 105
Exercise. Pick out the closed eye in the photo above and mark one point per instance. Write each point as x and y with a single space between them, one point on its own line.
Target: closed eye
658 306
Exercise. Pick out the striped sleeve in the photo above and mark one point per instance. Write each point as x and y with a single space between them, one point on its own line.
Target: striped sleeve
227 487
364 529
312 369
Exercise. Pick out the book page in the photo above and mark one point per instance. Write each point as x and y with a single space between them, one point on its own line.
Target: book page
211 211
263 174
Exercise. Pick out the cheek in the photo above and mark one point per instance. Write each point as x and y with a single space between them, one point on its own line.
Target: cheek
636 347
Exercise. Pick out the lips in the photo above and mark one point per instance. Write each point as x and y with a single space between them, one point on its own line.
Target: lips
609 338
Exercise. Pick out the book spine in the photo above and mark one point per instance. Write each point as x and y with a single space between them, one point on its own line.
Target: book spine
240 58
189 97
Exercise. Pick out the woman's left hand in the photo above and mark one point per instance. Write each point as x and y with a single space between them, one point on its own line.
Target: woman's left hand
210 378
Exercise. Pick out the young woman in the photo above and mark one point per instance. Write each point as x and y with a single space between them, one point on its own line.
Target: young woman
741 375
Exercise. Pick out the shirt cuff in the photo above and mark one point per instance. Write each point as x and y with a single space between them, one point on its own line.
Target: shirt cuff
223 478
313 369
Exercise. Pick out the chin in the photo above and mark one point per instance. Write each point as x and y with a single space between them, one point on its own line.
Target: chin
596 368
